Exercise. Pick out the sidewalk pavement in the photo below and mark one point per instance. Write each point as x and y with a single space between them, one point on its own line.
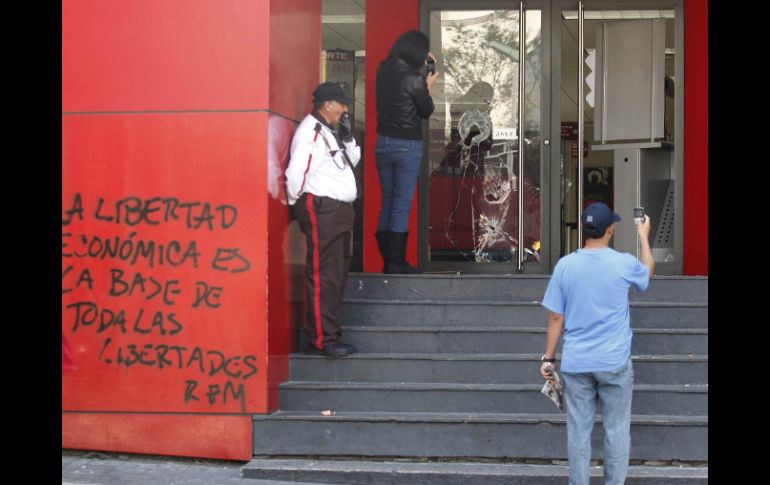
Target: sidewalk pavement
100 468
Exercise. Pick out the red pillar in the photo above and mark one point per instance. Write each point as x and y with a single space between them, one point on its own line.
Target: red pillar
175 116
401 15
695 215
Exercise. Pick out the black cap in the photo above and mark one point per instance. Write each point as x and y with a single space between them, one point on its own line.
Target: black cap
330 91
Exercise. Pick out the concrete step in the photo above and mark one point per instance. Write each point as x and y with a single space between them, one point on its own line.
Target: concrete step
437 312
361 472
465 435
502 288
474 398
439 339
478 368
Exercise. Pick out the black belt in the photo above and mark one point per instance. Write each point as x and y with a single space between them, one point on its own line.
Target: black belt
327 197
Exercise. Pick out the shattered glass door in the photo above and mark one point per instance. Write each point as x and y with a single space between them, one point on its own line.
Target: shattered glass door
473 187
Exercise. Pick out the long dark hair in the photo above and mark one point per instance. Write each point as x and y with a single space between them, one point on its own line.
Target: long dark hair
412 47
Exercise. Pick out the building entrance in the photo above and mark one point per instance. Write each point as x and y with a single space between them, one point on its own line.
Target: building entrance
511 160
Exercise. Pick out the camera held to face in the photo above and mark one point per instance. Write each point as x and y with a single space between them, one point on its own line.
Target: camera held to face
430 66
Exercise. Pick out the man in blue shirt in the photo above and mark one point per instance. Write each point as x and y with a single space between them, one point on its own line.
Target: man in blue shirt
588 299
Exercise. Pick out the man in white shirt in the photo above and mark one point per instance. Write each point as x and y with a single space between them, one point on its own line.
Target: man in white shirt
322 185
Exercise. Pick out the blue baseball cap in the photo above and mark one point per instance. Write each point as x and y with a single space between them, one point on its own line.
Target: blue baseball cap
597 217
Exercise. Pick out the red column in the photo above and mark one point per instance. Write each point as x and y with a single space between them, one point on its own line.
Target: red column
695 215
295 63
175 116
401 15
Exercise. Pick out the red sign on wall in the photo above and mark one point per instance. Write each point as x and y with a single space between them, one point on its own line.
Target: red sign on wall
574 149
569 130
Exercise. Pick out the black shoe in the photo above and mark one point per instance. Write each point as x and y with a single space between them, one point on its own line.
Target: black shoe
312 350
338 349
396 262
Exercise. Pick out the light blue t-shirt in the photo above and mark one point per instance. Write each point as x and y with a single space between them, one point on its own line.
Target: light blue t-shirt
590 288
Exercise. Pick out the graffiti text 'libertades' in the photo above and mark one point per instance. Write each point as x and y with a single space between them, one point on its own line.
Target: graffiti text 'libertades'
211 363
208 362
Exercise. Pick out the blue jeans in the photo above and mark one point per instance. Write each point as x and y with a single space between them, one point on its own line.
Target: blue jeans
614 390
398 164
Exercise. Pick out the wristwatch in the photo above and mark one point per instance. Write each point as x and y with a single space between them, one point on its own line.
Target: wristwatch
551 360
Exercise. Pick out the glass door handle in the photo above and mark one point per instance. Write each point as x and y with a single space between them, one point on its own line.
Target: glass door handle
522 144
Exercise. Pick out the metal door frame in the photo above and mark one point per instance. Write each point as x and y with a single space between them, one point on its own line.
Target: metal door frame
546 134
551 231
678 7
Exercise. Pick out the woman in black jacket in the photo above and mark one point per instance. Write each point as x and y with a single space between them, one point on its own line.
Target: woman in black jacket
403 101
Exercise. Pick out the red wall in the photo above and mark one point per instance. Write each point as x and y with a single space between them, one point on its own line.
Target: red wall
401 15
178 102
295 62
696 138
164 55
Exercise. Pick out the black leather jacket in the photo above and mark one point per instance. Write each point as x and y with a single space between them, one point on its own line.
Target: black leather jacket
402 100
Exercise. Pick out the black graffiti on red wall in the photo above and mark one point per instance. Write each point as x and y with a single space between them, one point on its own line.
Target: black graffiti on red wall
128 284
215 393
209 295
210 363
131 250
132 211
96 303
89 314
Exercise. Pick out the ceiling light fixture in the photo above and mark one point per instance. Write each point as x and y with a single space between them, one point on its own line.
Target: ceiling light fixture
343 19
619 14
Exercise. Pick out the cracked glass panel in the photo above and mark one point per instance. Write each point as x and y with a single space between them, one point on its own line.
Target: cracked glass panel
474 137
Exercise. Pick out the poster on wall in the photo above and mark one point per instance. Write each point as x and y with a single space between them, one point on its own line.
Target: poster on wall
339 66
597 185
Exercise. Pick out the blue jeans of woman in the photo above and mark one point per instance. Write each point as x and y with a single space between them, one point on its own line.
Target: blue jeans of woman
613 390
398 164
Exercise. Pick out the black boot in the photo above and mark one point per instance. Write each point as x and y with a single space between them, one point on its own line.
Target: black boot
397 251
382 245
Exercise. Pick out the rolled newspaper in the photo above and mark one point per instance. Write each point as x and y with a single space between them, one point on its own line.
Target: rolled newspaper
554 389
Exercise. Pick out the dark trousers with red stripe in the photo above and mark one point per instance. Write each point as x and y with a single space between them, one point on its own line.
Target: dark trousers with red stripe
328 227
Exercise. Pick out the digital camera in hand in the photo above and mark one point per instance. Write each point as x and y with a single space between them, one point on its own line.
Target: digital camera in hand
638 215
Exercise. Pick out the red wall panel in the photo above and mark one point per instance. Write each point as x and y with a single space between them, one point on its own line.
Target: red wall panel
222 437
164 55
282 314
696 126
380 36
141 336
139 350
295 55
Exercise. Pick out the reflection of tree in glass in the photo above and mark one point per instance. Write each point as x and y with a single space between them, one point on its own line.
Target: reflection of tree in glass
469 59
475 55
